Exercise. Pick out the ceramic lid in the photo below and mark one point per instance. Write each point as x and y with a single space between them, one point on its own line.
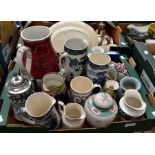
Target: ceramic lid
101 106
18 84
103 100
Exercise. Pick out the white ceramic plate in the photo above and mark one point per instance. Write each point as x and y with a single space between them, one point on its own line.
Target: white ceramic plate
128 110
63 31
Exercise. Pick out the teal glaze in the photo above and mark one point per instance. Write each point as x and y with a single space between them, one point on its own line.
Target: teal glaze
103 112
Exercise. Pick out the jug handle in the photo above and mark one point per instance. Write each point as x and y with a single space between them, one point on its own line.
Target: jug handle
60 103
20 112
19 58
64 55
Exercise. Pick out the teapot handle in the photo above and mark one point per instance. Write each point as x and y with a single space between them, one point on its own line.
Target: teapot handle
19 58
61 104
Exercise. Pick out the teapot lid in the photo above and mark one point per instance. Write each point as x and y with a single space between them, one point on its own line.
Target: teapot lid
18 84
103 100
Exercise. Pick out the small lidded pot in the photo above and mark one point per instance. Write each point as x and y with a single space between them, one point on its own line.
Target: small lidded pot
100 109
19 88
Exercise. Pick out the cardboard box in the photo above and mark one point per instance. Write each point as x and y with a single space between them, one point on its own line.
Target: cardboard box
145 65
9 124
3 69
8 35
7 31
116 33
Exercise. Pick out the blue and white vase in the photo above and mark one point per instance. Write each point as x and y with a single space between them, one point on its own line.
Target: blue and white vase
74 58
98 66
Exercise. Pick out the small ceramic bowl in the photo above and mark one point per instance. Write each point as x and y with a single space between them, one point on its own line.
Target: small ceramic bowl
151 30
129 83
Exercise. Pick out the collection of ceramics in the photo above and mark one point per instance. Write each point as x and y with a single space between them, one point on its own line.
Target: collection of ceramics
66 80
142 33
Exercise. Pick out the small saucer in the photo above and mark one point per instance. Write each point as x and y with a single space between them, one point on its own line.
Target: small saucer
129 111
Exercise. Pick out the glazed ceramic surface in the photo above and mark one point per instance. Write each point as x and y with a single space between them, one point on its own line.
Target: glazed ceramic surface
40 109
127 112
134 100
112 84
62 31
73 115
75 57
96 71
100 109
81 88
37 55
97 49
129 83
54 83
110 87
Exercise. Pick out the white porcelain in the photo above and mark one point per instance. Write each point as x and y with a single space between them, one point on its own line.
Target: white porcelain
81 88
96 49
110 87
112 84
77 119
129 111
54 83
99 39
106 48
134 94
104 42
101 110
63 31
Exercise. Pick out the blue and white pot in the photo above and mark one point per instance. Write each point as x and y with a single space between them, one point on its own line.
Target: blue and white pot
74 58
97 68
